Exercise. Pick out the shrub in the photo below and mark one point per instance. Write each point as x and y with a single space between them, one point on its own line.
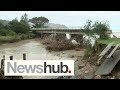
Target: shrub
88 51
18 27
6 32
101 29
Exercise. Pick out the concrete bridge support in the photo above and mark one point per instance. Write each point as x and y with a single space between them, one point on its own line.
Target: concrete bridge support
76 38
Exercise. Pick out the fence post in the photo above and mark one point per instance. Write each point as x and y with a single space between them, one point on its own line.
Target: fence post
11 57
24 56
2 62
3 56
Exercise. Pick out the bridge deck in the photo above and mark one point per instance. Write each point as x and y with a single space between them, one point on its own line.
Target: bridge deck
53 29
59 30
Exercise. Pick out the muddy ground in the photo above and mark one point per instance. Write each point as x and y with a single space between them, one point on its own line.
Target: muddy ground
83 69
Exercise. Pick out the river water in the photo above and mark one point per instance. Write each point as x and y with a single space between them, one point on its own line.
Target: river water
34 50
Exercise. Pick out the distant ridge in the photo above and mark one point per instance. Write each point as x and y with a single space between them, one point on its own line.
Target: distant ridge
52 25
4 22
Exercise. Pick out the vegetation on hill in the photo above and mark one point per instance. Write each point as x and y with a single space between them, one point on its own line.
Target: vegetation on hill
99 28
39 22
12 31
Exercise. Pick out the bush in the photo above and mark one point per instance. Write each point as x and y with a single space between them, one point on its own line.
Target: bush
101 29
5 32
11 33
18 27
88 51
9 38
31 35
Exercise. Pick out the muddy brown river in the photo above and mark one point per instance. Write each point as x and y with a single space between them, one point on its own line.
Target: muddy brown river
34 50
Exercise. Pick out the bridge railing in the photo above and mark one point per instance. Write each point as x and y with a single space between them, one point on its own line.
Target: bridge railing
56 28
74 27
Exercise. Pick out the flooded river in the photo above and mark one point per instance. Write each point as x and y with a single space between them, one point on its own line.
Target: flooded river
34 50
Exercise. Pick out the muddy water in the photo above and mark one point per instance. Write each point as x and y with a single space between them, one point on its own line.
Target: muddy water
34 51
33 48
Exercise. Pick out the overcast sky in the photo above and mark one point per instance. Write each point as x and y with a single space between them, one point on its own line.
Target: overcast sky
69 18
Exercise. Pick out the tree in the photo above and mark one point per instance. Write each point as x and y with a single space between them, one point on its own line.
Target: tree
88 28
39 22
91 30
1 26
18 27
98 28
101 29
24 19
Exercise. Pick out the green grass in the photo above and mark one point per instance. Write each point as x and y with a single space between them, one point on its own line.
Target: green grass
88 51
107 41
15 38
4 39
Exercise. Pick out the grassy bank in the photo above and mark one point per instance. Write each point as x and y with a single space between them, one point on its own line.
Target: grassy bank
107 41
102 42
99 46
16 37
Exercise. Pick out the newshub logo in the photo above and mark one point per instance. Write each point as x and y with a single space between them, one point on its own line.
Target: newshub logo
39 67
